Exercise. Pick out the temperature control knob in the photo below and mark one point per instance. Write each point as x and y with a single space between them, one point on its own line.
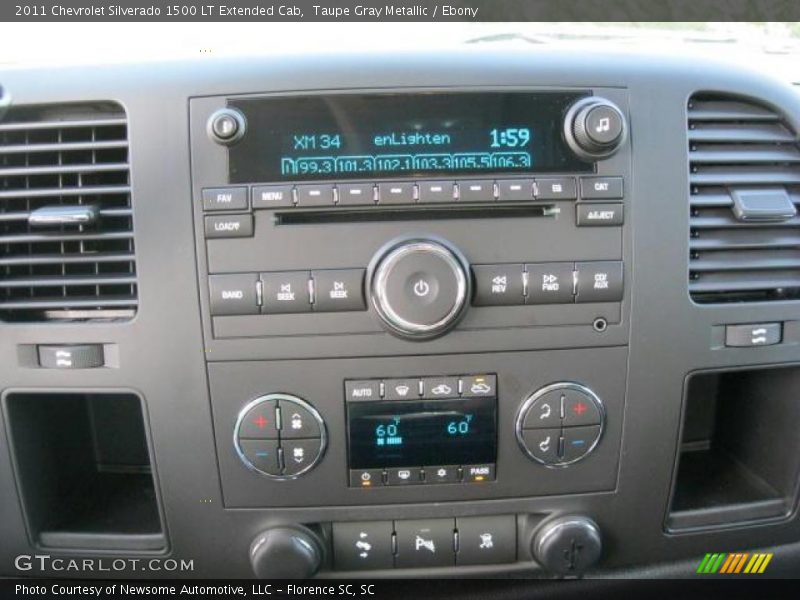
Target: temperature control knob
594 128
286 553
419 287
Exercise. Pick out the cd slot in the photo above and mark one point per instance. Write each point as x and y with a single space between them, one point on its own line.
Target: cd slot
411 213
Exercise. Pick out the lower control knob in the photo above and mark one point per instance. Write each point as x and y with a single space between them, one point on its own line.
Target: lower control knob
286 553
568 545
419 288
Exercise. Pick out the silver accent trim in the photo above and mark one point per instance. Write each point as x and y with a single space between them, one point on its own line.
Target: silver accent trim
529 401
63 215
570 123
323 437
383 306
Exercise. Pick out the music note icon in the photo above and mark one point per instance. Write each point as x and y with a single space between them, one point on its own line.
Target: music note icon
603 125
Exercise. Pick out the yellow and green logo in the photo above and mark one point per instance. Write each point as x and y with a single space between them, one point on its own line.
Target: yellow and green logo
734 563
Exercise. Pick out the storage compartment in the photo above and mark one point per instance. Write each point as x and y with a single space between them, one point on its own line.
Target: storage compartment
740 448
84 470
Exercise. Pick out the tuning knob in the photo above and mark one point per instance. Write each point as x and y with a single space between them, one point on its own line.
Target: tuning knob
419 287
286 553
568 545
594 128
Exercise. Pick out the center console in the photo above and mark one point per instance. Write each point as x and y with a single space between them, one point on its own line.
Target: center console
481 229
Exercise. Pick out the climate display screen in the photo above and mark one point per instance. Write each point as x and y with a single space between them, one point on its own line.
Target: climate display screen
385 135
422 432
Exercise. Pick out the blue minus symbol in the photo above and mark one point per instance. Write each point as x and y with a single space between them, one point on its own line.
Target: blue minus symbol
262 453
578 442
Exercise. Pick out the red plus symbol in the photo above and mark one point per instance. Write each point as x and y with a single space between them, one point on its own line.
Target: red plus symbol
579 408
261 422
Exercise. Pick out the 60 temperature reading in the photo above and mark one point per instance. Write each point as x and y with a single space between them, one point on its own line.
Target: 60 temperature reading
459 427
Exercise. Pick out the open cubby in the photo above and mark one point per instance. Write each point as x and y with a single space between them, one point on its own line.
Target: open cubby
84 470
740 448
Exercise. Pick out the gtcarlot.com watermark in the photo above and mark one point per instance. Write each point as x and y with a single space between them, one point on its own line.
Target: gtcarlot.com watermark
47 563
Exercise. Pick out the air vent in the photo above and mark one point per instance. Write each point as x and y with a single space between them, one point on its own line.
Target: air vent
66 225
742 251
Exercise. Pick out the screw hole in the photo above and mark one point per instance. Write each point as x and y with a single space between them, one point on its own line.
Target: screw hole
600 325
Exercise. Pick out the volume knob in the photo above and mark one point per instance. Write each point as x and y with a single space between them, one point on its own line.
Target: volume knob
594 128
419 287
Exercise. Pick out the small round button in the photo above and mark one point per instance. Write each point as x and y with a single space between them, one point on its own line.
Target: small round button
419 288
603 124
226 126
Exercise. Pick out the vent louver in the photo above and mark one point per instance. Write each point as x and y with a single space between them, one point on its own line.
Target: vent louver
66 224
739 147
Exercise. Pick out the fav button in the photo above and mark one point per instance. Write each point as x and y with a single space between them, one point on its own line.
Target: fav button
285 292
425 543
229 226
486 540
225 198
339 290
497 285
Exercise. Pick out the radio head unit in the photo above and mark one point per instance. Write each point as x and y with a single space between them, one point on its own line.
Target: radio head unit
347 136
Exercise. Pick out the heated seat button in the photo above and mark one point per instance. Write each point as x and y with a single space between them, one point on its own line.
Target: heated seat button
297 421
233 294
549 283
299 455
362 546
260 422
425 543
542 444
476 191
559 188
272 196
234 198
578 441
599 281
229 226
285 292
261 455
339 290
579 408
486 540
497 285
601 188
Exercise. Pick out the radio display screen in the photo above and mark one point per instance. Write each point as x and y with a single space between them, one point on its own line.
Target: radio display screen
350 136
422 432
